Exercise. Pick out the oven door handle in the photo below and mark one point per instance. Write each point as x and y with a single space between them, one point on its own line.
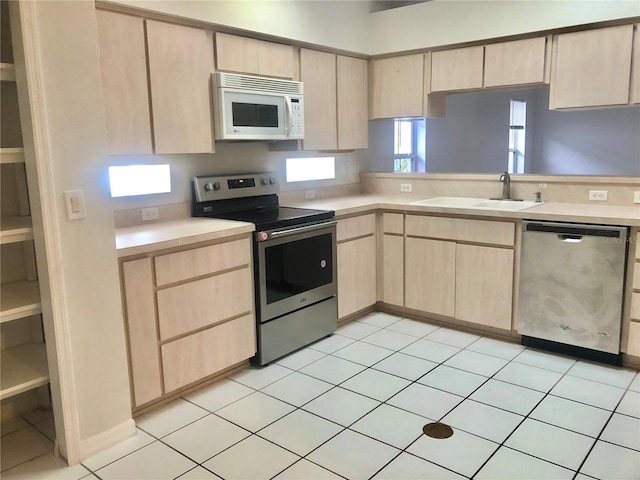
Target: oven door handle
308 228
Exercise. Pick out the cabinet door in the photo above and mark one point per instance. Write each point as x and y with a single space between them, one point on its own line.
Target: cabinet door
634 94
318 72
124 83
398 87
484 285
353 114
591 68
457 69
180 65
430 268
393 270
255 57
236 54
356 275
142 332
520 62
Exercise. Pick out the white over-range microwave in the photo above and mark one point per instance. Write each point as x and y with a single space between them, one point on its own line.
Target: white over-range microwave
257 108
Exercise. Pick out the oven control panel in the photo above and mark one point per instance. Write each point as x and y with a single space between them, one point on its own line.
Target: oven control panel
221 187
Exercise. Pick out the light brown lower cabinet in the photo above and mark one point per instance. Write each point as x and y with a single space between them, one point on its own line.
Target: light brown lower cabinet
456 277
484 285
181 327
393 269
356 258
430 267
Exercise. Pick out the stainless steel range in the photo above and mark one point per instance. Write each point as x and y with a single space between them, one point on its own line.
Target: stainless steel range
294 259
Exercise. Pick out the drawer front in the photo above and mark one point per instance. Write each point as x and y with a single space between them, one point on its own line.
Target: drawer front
636 275
638 246
356 227
194 305
462 230
179 266
205 353
393 223
633 345
635 306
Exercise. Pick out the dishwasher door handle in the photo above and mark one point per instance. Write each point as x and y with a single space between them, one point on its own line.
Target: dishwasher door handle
564 237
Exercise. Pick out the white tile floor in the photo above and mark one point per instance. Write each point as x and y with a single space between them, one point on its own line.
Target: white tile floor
353 406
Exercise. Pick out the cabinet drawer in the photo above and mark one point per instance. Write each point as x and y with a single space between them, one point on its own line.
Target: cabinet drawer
638 246
393 223
197 356
635 306
464 230
356 227
194 305
633 344
636 275
179 266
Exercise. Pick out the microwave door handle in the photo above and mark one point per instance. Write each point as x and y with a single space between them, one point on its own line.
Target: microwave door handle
288 114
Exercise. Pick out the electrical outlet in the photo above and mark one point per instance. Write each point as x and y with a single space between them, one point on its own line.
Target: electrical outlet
542 185
406 187
150 214
309 194
356 167
598 195
636 197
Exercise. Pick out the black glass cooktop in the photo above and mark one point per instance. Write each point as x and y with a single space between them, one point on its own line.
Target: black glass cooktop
267 218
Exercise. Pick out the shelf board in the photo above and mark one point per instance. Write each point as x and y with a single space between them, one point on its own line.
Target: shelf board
7 72
23 368
19 300
12 155
15 229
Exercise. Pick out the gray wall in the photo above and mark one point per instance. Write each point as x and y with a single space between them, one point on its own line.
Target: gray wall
474 136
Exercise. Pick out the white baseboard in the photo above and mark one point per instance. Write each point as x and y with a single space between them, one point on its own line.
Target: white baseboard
106 439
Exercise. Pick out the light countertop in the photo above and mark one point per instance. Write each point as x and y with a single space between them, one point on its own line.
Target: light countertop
146 238
156 236
568 212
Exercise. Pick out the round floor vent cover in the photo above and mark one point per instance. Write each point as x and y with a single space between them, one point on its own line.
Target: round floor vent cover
437 430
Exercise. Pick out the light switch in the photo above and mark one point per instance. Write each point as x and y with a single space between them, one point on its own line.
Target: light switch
74 202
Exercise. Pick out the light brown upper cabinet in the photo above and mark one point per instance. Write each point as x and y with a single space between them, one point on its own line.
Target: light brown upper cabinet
352 82
318 73
335 98
521 62
634 94
591 68
255 57
397 87
180 66
124 80
457 69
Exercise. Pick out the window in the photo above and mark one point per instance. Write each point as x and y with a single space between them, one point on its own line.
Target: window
310 168
517 130
139 180
408 145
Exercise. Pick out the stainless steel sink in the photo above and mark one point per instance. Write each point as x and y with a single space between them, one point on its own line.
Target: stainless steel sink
477 203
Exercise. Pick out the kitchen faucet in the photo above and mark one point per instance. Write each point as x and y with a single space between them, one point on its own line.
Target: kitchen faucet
506 186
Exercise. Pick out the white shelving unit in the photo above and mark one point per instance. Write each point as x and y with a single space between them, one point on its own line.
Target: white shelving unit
23 358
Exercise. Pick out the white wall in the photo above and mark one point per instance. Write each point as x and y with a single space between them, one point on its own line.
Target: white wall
82 262
445 22
341 24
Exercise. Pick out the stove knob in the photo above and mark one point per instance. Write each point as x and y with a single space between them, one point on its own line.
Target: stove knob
272 180
265 181
208 186
216 186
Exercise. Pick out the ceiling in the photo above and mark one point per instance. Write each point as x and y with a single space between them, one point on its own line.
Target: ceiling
379 5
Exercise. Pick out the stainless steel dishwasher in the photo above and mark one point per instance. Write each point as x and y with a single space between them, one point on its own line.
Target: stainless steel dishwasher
571 288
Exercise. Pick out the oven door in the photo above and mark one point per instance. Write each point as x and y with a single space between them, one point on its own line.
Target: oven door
296 268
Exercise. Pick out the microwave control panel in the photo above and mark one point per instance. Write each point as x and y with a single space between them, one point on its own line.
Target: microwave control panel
297 118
